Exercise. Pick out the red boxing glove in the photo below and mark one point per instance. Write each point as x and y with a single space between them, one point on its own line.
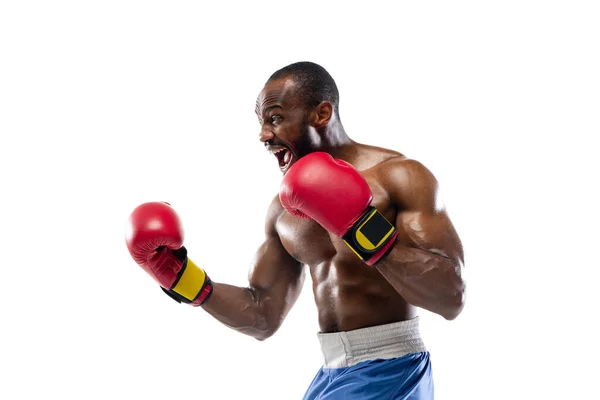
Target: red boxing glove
334 194
154 237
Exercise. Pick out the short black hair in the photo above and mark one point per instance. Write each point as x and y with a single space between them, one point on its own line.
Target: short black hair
314 83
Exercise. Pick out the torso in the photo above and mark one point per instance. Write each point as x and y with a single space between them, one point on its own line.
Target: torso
348 293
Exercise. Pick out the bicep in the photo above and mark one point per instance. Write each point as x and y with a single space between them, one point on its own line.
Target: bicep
273 268
431 231
422 218
275 277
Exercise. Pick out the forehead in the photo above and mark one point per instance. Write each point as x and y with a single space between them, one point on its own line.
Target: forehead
280 91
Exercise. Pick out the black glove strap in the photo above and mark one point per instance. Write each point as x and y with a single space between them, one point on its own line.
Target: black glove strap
369 234
175 296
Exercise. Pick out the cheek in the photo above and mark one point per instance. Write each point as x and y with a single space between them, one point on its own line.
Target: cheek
302 138
290 133
297 135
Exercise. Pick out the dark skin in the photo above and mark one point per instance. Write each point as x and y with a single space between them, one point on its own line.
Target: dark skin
422 270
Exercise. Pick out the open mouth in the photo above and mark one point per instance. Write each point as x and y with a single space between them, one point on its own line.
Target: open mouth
284 156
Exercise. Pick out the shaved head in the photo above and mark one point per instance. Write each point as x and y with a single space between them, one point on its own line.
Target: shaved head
313 84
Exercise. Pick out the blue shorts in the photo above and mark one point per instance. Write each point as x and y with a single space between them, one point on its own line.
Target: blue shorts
382 362
407 378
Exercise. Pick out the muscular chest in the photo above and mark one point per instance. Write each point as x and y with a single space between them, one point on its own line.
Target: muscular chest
310 244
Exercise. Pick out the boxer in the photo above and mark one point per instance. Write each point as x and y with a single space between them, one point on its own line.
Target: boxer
367 223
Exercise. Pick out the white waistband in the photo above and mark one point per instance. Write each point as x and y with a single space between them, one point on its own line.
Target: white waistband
344 349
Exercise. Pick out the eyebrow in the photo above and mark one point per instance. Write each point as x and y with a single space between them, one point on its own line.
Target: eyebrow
266 109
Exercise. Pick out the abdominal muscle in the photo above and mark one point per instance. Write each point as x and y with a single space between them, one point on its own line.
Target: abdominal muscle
348 293
351 295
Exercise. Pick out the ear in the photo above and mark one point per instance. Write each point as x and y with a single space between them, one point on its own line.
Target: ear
322 114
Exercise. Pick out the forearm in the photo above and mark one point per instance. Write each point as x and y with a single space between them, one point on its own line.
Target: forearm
240 309
425 279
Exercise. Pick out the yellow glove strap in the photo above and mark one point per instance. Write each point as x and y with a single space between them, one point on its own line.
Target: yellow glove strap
191 281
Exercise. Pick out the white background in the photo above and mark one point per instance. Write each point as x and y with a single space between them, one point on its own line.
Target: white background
106 105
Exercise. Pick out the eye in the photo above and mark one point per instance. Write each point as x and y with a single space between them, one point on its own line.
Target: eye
275 119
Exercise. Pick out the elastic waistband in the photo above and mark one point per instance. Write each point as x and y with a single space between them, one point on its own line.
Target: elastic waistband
344 349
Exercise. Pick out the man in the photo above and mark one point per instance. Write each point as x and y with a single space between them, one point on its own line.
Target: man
366 222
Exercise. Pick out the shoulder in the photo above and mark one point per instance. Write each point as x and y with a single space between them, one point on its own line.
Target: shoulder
406 169
408 182
371 157
274 212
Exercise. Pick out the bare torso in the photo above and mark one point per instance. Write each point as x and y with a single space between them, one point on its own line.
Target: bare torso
348 293
422 269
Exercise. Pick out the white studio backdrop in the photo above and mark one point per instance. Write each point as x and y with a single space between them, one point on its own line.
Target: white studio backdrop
106 105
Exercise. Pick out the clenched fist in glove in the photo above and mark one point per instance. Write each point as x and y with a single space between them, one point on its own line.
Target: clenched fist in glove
334 194
154 237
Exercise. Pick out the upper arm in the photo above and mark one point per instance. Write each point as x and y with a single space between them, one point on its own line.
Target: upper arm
422 218
275 277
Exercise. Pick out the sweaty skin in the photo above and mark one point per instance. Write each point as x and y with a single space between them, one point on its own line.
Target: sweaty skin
422 270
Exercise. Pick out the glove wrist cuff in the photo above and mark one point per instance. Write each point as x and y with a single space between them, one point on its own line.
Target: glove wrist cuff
371 237
192 285
202 297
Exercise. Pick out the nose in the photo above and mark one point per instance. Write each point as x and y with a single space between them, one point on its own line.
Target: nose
265 135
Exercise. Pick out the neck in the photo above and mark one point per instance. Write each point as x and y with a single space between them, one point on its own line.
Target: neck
335 141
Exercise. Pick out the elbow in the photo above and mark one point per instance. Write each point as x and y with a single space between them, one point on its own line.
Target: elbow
263 335
452 313
455 304
262 327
